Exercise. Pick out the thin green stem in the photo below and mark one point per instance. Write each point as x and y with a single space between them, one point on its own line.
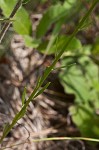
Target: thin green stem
7 24
49 69
54 139
66 138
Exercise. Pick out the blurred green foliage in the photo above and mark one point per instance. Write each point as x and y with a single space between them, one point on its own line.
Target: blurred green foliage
82 80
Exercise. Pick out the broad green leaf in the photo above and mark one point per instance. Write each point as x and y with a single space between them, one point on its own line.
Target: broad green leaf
7 6
82 81
95 51
95 47
22 23
54 14
31 42
79 79
75 44
49 17
74 83
24 96
86 120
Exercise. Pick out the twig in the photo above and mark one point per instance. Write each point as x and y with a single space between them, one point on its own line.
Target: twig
7 24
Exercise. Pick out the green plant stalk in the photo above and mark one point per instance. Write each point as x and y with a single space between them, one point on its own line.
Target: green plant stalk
66 138
5 20
54 139
49 69
7 24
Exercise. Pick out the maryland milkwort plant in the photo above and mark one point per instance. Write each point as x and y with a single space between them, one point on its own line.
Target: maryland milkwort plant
38 89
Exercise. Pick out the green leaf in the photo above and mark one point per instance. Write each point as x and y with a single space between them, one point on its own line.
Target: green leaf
6 127
7 6
38 82
75 44
54 14
25 1
95 51
79 79
86 120
22 114
86 24
62 67
24 96
31 42
42 89
46 72
49 17
54 36
22 23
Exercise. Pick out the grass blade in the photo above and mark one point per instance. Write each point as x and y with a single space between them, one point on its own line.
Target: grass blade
24 96
42 90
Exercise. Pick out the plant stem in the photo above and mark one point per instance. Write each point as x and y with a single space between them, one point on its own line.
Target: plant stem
7 24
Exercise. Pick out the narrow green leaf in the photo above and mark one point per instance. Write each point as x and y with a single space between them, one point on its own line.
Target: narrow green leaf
42 90
6 126
24 96
23 112
54 35
38 82
25 1
66 66
46 72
